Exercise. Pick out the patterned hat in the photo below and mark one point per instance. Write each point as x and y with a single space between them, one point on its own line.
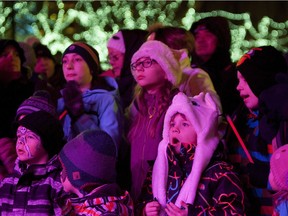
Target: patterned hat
47 127
88 53
89 158
165 57
259 67
117 42
40 100
278 165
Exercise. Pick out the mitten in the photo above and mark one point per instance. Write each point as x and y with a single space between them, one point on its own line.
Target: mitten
72 96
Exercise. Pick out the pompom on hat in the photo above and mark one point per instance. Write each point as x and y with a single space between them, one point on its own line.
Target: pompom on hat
202 112
117 42
47 127
278 167
40 100
167 58
88 53
89 158
259 67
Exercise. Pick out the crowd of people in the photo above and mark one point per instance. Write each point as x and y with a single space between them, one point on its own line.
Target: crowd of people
174 127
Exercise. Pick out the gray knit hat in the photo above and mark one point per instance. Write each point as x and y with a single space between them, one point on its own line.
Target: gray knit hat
89 158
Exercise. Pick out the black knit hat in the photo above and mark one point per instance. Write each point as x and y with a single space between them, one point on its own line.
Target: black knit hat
89 158
218 26
7 42
48 128
42 51
259 67
88 53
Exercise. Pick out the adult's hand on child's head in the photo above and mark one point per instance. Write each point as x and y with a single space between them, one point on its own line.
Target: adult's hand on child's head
152 208
173 210
72 96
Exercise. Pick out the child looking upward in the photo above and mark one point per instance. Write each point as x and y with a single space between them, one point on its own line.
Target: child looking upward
190 139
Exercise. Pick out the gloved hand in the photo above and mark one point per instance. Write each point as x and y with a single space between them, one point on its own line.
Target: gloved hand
72 96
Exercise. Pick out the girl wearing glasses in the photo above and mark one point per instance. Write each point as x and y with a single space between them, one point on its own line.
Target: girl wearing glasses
156 71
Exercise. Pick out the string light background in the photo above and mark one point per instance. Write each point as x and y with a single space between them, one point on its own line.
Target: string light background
58 23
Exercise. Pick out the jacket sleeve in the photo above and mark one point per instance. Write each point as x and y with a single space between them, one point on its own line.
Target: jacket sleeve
223 194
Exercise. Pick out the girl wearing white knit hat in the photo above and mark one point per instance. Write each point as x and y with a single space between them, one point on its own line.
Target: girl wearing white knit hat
156 70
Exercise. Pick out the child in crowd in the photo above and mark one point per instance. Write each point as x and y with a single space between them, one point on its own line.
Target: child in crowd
156 71
278 179
121 47
40 100
182 184
89 174
92 101
257 70
35 183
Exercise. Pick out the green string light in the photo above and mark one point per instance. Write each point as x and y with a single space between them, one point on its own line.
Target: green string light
98 20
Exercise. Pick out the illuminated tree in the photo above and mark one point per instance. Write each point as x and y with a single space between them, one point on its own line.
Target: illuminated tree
59 23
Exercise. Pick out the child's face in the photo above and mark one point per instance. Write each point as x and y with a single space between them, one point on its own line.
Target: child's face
148 73
75 68
29 147
249 98
181 131
116 60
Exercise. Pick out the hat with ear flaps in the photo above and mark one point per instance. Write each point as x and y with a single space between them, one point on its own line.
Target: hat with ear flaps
89 158
88 53
259 66
164 56
202 113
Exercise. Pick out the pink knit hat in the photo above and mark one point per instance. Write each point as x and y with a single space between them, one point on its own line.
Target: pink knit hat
117 42
278 167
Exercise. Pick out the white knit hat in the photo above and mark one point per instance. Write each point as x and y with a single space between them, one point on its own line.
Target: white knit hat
167 58
117 42
202 112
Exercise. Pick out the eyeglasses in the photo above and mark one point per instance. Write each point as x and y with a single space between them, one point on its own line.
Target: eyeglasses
144 64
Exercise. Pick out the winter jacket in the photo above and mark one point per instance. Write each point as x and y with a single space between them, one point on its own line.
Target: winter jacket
107 199
33 190
102 111
253 175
